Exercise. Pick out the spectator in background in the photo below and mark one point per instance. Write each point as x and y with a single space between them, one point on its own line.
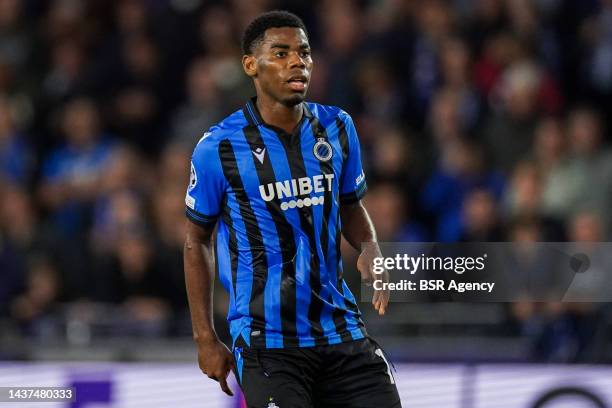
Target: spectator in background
66 75
34 307
341 36
445 126
15 36
388 208
140 94
455 72
582 178
486 19
509 132
131 278
381 99
590 163
120 205
72 173
435 22
202 109
524 199
460 171
218 41
595 284
19 220
393 156
480 218
596 52
12 263
16 160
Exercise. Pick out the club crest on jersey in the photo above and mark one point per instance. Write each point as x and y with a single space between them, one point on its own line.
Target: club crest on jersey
322 150
193 178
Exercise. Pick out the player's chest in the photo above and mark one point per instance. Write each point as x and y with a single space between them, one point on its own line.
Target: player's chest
271 169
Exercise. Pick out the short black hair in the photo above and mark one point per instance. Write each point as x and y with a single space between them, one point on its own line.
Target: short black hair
272 19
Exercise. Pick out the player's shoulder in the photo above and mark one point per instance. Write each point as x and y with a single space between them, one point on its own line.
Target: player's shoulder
224 130
328 113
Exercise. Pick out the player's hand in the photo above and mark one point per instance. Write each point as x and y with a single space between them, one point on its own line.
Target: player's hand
216 361
365 265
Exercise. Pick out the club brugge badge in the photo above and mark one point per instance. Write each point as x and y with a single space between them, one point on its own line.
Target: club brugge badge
322 150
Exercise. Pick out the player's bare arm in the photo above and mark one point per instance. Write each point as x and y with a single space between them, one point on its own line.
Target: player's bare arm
358 229
214 358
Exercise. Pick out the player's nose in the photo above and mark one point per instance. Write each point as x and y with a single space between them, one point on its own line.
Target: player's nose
296 61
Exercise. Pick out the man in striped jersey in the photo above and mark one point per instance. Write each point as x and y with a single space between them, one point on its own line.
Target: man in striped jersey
282 181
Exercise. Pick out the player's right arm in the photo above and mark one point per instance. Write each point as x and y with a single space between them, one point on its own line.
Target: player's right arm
214 358
207 186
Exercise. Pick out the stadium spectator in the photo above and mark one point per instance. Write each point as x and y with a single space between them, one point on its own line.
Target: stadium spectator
16 160
71 173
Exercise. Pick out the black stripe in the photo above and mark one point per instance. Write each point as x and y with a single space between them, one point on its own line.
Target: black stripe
233 244
343 137
298 169
355 196
258 253
248 116
287 290
326 167
199 218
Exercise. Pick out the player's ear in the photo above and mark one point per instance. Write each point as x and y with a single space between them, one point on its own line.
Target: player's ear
249 64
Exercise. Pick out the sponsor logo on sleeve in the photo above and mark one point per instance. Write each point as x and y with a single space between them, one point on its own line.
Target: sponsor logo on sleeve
190 201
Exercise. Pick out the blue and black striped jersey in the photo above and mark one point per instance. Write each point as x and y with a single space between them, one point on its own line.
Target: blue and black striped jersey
276 197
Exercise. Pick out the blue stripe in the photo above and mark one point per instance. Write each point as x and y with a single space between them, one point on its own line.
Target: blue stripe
239 362
225 267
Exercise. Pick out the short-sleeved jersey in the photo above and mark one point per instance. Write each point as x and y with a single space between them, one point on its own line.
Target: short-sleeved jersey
276 198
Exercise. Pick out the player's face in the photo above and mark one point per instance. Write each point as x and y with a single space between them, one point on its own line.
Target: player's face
282 65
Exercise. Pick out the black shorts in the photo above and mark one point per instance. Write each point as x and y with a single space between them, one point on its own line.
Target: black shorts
354 374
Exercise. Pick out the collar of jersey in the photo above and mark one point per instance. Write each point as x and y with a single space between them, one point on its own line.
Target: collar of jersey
254 117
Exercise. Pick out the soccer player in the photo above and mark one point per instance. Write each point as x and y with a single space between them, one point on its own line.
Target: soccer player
281 179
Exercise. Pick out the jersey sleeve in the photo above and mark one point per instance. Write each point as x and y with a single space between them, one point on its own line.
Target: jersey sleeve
353 184
207 184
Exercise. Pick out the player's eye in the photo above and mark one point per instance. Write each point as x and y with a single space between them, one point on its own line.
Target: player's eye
305 53
281 54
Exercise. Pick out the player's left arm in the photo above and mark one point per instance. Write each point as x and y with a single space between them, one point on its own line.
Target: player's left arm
357 226
358 229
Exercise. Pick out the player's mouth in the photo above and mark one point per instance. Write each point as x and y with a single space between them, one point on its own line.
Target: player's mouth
298 83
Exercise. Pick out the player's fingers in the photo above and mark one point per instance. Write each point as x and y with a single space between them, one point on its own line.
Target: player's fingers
382 306
226 389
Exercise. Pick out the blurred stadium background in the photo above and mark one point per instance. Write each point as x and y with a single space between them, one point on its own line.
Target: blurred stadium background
480 120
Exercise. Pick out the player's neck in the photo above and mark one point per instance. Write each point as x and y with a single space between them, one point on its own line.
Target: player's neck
279 115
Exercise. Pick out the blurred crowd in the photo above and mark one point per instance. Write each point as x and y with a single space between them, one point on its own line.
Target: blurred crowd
480 120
